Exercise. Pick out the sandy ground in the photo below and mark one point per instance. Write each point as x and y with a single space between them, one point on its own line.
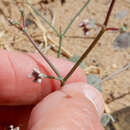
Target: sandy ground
104 56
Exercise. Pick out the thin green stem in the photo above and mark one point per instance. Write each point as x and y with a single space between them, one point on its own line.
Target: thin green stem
39 14
23 16
60 45
45 58
52 77
73 19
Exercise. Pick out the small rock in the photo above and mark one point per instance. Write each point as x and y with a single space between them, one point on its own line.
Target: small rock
114 66
123 40
121 14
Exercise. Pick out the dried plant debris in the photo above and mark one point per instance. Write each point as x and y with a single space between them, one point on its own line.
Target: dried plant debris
123 40
47 1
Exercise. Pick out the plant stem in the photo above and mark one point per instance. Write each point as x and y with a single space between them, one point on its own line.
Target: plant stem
114 74
92 45
51 77
39 14
73 19
60 45
61 36
23 16
112 29
109 12
45 58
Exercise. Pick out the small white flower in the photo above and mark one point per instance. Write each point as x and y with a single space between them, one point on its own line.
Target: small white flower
17 128
11 127
36 70
86 21
39 81
37 75
87 33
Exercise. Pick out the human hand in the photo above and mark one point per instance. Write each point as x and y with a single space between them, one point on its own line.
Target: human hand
75 106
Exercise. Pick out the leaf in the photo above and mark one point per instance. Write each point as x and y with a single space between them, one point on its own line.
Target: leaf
75 59
106 118
93 80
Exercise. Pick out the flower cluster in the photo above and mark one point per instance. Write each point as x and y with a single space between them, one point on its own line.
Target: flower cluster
37 75
87 25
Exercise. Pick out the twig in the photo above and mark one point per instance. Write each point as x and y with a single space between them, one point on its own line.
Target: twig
39 14
38 22
53 15
109 12
23 18
60 43
80 37
114 74
19 27
119 97
92 45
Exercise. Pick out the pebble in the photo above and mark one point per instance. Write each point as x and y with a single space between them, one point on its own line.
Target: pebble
114 66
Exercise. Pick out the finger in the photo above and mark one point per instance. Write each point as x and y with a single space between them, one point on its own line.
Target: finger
76 106
15 86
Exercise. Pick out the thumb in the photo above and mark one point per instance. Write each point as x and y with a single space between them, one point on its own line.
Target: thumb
74 107
15 86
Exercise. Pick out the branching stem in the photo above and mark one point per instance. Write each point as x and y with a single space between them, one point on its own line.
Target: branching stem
45 58
61 36
109 12
92 45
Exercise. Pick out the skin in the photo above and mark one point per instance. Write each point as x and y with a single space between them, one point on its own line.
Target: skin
36 106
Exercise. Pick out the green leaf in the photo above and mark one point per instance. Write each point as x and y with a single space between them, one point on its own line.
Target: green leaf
93 80
75 59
